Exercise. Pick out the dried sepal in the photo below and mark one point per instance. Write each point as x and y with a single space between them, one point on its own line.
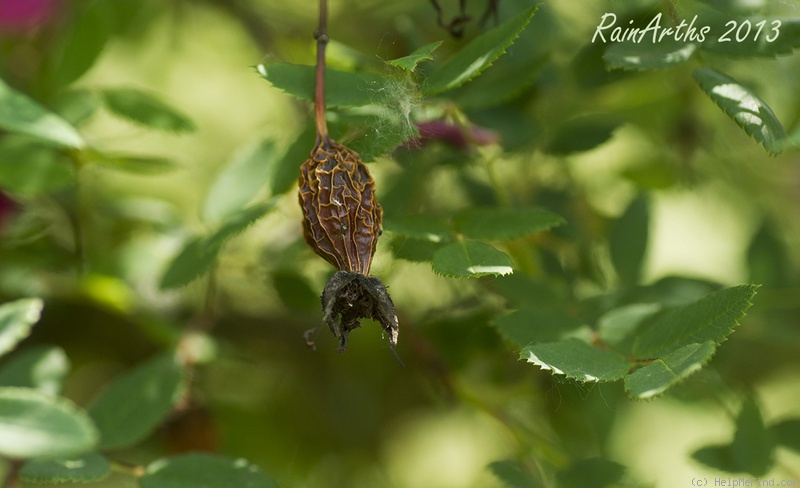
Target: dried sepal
341 214
349 297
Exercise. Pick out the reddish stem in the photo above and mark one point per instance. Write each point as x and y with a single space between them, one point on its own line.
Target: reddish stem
319 89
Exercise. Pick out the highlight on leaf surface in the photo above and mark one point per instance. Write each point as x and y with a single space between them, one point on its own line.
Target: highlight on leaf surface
744 107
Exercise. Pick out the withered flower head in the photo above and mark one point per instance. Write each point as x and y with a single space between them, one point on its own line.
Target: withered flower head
342 223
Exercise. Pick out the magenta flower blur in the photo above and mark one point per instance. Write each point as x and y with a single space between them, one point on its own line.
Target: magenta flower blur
22 15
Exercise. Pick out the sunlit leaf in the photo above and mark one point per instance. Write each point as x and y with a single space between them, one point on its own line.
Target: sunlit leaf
478 55
239 181
17 318
416 250
654 378
21 115
40 367
497 223
410 62
199 254
342 88
744 107
134 404
145 109
34 424
577 360
206 470
70 469
647 55
712 318
467 259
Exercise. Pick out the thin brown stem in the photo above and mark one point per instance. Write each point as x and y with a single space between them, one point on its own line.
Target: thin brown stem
319 89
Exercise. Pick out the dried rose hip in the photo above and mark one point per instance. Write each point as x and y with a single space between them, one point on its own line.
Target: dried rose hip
342 217
342 223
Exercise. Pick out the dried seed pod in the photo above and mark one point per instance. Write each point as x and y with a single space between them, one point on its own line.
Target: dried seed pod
342 223
342 217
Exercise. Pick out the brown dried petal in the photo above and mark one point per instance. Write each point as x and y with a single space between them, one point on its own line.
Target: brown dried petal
342 217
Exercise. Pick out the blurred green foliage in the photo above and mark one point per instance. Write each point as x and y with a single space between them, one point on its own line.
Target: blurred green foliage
604 211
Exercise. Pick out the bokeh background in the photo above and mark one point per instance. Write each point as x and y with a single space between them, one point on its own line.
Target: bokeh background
721 211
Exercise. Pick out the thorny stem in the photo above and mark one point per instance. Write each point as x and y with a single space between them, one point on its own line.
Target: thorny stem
321 35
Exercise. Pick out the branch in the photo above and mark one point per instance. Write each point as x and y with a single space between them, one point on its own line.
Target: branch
321 35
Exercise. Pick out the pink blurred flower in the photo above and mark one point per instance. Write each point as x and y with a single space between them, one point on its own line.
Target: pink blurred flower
22 15
460 137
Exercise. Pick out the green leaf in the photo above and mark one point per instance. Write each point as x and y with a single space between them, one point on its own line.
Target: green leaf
17 318
785 35
135 403
513 474
285 170
500 84
342 88
787 434
711 318
753 446
577 360
744 107
594 472
616 327
532 325
76 106
239 181
582 134
467 259
142 165
204 470
497 223
84 41
21 115
41 367
145 109
410 62
648 55
30 169
34 424
416 250
478 55
628 241
74 469
654 378
751 450
422 227
294 290
199 254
